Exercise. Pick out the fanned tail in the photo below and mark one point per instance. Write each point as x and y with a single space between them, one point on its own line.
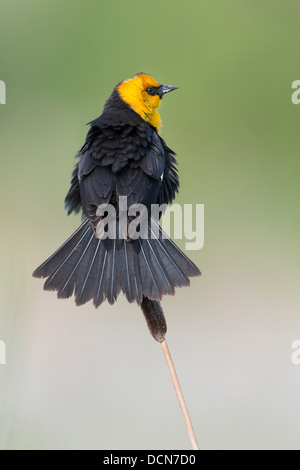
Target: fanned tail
97 269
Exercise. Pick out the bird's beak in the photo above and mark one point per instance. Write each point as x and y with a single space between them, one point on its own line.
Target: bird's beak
166 89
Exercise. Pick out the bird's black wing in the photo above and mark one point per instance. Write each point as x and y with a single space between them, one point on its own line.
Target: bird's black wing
73 200
170 185
118 160
141 179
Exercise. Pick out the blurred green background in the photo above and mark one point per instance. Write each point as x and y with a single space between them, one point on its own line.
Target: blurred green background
80 378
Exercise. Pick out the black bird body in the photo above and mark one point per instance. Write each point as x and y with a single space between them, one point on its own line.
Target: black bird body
123 155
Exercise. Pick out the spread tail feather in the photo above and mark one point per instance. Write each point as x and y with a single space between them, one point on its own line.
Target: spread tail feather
98 269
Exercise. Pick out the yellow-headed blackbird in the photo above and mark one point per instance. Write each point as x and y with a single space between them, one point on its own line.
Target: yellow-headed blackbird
123 155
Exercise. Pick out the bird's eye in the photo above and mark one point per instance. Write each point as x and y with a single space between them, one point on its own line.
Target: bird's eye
151 90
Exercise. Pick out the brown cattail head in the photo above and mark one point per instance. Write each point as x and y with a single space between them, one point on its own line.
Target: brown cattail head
155 318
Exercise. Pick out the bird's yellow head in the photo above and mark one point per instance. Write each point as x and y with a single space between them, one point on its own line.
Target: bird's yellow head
144 94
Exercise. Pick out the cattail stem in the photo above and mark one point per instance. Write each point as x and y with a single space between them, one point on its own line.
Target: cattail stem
179 395
157 325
